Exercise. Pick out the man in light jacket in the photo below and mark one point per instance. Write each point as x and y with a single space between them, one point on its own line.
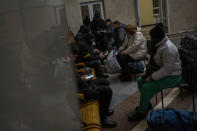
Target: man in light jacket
166 56
133 48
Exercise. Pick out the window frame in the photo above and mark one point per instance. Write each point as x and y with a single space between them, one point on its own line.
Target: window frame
91 10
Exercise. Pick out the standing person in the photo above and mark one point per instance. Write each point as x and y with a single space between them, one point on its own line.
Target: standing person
119 33
166 56
133 48
98 28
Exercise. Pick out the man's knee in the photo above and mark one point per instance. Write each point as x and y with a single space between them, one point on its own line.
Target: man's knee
105 90
145 88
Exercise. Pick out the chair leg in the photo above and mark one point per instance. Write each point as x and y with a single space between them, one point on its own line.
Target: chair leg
163 114
156 99
181 93
162 99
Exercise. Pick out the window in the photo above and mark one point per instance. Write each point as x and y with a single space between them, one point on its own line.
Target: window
61 16
89 9
156 8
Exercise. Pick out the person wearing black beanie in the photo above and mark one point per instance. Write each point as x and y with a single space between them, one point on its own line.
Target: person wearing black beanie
167 74
158 32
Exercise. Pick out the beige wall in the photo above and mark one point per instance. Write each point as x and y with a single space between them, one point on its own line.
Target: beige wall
183 15
122 10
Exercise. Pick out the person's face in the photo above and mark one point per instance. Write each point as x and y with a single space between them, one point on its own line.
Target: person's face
108 23
92 40
115 26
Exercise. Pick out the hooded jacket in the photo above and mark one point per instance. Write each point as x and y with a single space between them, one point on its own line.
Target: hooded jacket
167 57
119 35
135 46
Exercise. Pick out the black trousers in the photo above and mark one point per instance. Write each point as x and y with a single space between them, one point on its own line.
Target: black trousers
123 61
96 65
100 82
103 93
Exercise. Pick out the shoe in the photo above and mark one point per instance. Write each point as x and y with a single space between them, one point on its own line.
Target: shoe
108 124
125 78
110 112
149 107
137 116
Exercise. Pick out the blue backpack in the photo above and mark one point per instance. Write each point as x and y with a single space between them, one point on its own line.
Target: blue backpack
172 120
137 67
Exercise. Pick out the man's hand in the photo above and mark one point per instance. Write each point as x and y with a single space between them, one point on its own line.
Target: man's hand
98 32
147 79
122 52
97 51
102 56
84 79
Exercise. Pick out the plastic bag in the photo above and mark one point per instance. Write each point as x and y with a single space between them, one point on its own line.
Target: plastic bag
112 62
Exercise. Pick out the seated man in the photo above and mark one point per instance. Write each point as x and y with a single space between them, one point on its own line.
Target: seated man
98 28
90 58
109 33
82 33
164 55
133 48
119 34
97 89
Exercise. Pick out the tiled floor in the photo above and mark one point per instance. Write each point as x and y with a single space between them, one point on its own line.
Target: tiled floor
121 90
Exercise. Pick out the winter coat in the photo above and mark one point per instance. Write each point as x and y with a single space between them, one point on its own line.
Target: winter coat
119 35
135 46
85 53
167 57
97 26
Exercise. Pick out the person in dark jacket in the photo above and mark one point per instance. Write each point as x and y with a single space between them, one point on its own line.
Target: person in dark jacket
119 33
82 33
109 33
97 89
86 21
90 58
98 28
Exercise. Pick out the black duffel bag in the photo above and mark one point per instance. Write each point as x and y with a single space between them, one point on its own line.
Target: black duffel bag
189 43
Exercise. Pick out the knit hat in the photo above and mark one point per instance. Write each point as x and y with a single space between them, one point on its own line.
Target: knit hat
116 22
108 20
158 32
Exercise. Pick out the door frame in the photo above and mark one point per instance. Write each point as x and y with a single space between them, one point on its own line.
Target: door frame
91 11
161 14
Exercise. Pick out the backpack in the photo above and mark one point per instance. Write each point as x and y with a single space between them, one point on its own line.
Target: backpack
137 67
172 120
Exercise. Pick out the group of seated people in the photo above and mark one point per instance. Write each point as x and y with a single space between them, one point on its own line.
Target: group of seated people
91 43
